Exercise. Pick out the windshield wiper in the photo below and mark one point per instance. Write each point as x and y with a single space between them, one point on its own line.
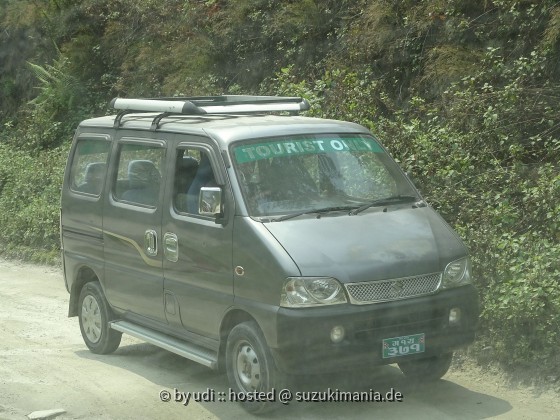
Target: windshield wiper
387 200
317 211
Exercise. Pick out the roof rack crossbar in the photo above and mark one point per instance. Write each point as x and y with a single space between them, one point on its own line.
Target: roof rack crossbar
201 105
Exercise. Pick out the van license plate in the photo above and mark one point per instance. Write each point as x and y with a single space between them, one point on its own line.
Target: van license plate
403 346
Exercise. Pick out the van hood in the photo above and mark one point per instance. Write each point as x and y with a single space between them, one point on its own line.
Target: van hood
375 245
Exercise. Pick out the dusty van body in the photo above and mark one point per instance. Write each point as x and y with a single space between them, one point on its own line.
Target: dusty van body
264 244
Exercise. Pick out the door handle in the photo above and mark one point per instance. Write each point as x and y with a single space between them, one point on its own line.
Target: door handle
150 243
171 247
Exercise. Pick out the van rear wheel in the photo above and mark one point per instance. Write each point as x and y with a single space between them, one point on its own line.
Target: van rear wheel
428 369
94 314
250 367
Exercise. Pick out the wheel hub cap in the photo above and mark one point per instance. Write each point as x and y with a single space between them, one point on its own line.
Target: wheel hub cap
248 368
91 319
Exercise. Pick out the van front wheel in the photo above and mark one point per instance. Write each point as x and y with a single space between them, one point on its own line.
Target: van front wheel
428 369
94 315
250 367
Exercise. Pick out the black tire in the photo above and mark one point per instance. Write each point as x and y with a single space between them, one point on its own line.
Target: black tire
427 370
94 314
250 366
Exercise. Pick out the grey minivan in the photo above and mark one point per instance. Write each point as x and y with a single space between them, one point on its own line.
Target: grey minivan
242 236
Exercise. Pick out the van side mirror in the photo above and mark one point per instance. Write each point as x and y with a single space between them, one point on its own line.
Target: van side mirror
210 201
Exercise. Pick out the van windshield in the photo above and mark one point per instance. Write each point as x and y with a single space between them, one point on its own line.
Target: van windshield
285 175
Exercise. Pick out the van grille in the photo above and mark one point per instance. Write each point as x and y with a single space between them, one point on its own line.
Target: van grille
395 289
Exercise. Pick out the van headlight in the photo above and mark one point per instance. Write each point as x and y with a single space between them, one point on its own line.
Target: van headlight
311 291
457 273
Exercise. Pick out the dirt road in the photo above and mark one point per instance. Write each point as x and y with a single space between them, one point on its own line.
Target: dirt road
44 364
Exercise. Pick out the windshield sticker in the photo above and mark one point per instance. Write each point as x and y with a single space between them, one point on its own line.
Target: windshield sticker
250 153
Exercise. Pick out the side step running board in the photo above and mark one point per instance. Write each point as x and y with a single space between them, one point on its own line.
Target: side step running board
187 350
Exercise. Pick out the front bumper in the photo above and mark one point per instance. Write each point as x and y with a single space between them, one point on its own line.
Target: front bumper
304 344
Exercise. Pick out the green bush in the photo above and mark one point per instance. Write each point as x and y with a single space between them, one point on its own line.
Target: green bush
521 317
30 202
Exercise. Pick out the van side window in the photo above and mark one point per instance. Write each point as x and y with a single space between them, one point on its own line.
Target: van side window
139 172
192 172
89 166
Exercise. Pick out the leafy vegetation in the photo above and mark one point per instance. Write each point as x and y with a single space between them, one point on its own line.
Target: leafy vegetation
465 94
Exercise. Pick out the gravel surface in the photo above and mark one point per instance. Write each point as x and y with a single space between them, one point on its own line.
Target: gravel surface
44 365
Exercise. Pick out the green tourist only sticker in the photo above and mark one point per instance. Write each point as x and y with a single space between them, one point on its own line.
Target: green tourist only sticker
290 147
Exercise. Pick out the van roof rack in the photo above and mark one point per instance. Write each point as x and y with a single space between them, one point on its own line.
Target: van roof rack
208 105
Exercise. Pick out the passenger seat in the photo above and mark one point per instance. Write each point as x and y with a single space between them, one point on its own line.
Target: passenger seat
143 183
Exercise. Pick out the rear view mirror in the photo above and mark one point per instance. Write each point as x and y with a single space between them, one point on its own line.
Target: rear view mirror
210 201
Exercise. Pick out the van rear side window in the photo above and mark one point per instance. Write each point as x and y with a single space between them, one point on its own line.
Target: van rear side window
89 166
139 174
